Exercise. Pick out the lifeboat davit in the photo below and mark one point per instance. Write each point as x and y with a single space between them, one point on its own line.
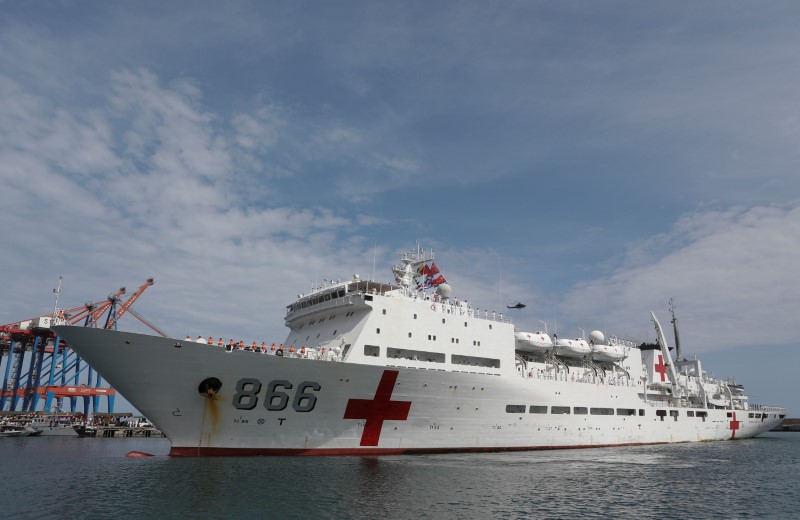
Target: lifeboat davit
536 342
573 347
604 352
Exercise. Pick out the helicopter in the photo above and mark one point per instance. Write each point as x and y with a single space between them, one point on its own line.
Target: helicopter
517 305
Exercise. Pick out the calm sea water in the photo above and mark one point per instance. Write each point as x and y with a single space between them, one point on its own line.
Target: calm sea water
71 478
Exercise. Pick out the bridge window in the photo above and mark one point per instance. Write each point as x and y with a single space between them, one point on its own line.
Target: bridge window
580 410
559 410
601 411
674 414
475 361
515 408
415 355
372 350
626 411
537 409
689 413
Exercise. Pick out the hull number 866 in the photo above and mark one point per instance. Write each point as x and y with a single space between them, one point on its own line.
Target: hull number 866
277 395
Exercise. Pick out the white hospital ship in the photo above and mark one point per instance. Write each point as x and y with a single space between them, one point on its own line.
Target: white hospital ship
381 368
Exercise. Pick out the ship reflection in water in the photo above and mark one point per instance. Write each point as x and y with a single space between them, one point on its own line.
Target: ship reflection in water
751 478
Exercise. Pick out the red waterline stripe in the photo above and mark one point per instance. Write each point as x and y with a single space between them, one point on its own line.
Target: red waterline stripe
281 452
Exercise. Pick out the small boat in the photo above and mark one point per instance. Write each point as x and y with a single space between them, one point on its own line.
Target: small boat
55 425
536 342
85 431
577 347
603 350
13 430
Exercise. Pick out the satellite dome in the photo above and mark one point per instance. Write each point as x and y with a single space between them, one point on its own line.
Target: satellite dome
597 337
444 290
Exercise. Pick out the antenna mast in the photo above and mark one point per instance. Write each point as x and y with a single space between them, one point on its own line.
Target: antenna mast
57 291
675 329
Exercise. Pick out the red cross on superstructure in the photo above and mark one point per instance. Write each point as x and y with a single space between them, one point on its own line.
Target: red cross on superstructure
380 408
734 426
661 368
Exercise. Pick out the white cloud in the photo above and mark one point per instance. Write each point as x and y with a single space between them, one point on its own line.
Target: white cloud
142 187
732 274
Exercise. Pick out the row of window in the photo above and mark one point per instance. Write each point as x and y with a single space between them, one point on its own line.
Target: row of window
583 410
444 320
565 410
432 337
432 357
321 298
321 320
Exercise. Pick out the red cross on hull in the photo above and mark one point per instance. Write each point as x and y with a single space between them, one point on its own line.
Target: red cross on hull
735 425
379 409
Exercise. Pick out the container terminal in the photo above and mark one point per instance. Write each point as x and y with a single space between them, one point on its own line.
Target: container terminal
41 374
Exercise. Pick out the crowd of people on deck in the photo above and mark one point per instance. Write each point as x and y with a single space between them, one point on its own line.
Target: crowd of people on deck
275 350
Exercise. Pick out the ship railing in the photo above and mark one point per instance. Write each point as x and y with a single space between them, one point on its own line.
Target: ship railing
310 353
549 375
489 316
621 342
767 408
462 308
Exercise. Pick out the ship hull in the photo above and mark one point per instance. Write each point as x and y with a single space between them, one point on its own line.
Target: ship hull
273 405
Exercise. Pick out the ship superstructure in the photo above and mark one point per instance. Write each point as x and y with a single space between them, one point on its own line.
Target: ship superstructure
378 368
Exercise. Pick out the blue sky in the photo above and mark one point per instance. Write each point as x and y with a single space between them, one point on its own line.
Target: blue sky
592 159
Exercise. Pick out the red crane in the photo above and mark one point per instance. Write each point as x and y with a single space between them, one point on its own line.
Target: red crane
113 317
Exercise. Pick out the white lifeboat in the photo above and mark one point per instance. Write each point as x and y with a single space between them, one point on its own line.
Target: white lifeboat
601 351
536 342
573 347
608 352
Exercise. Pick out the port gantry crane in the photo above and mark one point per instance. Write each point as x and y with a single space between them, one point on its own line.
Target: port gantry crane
49 353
